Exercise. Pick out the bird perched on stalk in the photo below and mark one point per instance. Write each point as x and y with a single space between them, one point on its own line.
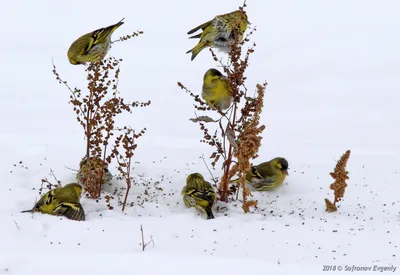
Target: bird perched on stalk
220 32
61 201
200 194
267 175
216 90
93 46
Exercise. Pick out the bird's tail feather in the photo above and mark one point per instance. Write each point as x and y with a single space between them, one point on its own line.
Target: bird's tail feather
196 50
195 36
27 211
116 26
209 213
202 26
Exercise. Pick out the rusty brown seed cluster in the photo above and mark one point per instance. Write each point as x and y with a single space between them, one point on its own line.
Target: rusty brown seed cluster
340 175
92 174
249 138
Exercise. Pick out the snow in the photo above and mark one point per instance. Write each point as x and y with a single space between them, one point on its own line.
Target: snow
332 69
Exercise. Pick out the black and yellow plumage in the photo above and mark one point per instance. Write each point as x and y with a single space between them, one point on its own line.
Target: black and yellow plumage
216 90
93 46
61 201
267 175
200 194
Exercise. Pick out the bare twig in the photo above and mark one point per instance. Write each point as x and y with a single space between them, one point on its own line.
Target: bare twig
127 175
54 176
126 37
71 169
141 230
16 224
212 176
151 241
144 245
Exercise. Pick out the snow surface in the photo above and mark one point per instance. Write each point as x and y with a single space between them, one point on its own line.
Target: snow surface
332 69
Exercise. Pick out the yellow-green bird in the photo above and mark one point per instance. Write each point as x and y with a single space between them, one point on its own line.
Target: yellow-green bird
216 90
93 46
61 201
200 194
220 32
267 175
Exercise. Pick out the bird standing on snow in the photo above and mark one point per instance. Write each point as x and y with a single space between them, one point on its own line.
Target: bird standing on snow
93 46
220 32
200 194
216 90
61 201
267 175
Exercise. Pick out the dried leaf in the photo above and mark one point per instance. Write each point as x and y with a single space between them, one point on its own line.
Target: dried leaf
203 119
231 138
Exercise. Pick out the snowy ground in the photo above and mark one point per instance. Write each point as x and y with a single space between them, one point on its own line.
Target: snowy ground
332 70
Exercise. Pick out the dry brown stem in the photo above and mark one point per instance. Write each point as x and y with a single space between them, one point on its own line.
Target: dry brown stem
128 142
144 245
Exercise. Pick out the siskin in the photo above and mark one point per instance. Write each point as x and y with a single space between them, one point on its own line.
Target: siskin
96 163
200 194
267 175
61 201
93 46
220 32
216 90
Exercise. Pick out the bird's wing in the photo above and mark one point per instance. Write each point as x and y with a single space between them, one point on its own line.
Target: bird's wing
202 26
266 173
72 211
227 85
89 44
45 200
264 184
100 35
198 194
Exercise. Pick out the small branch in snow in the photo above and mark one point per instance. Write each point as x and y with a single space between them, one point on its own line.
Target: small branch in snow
144 245
16 224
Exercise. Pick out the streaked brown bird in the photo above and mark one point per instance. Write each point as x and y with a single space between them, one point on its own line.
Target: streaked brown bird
220 32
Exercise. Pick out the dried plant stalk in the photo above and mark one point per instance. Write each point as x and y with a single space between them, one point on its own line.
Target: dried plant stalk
249 139
339 185
237 138
128 142
96 110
